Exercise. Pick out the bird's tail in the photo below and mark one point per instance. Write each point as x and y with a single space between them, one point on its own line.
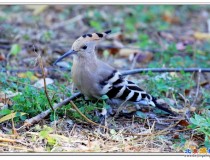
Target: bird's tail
138 96
116 87
161 107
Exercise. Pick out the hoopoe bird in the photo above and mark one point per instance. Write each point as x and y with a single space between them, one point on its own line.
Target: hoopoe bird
95 78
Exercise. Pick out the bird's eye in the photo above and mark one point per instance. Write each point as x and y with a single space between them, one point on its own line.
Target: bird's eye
84 47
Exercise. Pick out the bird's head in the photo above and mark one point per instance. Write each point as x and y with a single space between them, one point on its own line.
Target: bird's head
84 45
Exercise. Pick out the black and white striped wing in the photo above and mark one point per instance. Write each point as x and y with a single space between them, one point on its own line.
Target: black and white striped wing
116 87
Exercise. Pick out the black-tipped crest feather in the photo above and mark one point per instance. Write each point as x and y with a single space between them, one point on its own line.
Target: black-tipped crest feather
107 32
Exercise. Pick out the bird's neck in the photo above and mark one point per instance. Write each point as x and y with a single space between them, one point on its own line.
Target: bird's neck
85 59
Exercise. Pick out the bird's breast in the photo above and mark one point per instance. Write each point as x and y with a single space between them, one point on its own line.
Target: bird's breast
85 79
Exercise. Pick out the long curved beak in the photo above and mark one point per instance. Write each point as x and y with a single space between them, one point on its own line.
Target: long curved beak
64 56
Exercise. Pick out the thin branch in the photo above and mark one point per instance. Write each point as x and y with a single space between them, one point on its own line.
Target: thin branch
11 141
44 114
128 72
197 89
44 78
50 69
141 70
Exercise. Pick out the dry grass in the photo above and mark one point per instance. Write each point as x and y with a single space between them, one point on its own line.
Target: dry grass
86 138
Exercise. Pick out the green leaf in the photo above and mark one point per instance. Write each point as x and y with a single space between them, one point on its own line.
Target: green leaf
104 97
44 133
207 107
16 48
141 114
106 54
199 118
51 141
95 24
207 142
192 120
113 132
5 112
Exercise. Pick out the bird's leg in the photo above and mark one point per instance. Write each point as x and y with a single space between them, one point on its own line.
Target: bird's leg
103 116
73 88
120 108
87 100
106 112
137 107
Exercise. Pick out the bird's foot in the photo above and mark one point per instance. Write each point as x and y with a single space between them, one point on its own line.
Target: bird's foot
104 114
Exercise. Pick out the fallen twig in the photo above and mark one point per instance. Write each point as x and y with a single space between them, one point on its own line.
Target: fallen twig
42 115
140 70
128 72
50 69
11 141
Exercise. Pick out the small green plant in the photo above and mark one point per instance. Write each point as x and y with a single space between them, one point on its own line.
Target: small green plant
96 25
180 143
201 124
158 85
16 48
31 100
45 134
47 36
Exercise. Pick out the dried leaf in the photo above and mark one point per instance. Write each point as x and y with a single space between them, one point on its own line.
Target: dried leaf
167 36
201 36
126 52
144 57
40 83
8 94
10 116
186 92
170 18
28 75
184 123
2 57
114 50
4 102
37 9
176 135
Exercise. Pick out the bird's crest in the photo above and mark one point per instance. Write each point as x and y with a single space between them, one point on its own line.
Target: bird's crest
88 38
